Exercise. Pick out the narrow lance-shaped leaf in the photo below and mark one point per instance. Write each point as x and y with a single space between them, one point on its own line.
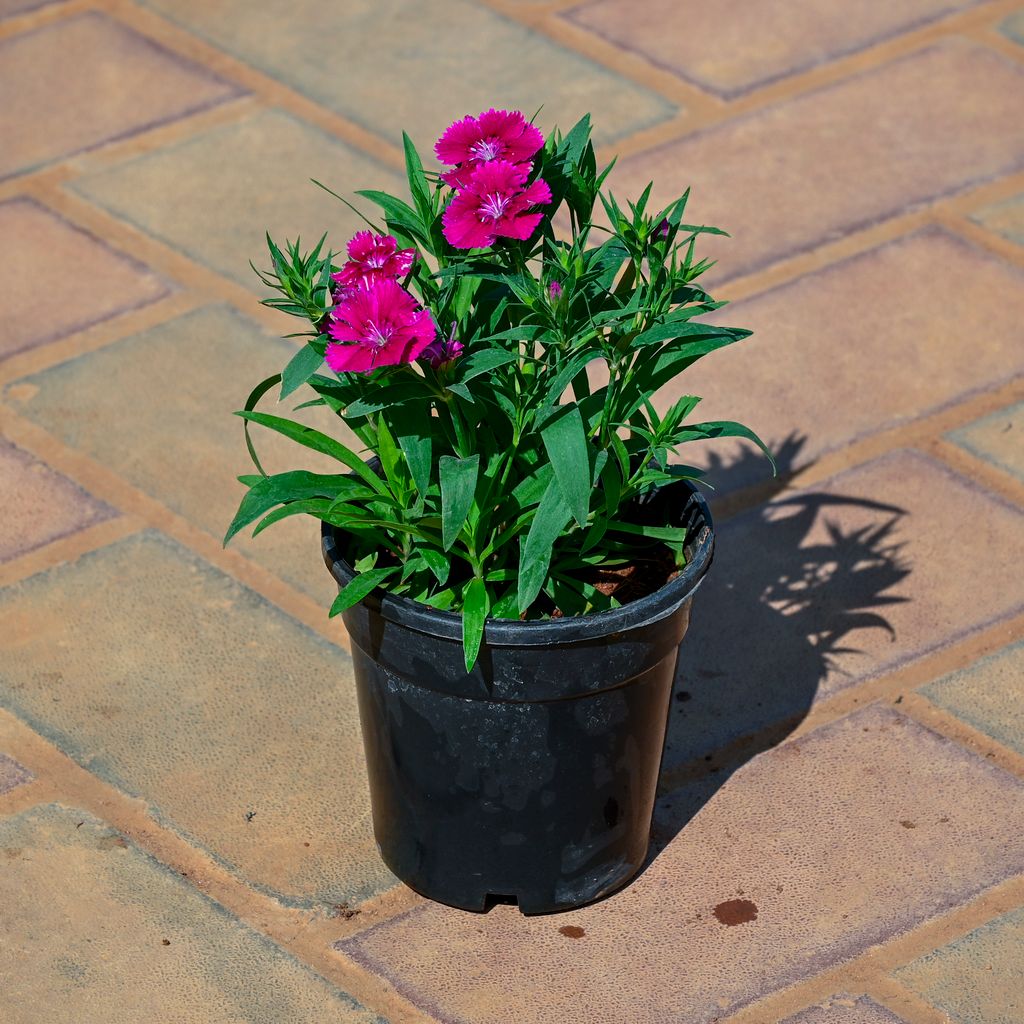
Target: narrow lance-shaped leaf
300 368
267 491
458 485
411 425
359 587
317 442
566 443
721 428
475 605
553 515
250 403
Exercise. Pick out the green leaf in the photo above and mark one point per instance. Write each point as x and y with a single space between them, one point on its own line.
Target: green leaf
672 534
475 605
411 426
721 428
458 486
678 328
552 517
267 491
566 443
397 212
438 563
390 459
387 396
483 361
250 403
576 140
359 587
320 443
300 368
417 179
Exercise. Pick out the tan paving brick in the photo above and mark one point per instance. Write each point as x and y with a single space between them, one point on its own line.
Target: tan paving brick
175 683
843 1009
64 279
1006 218
12 774
94 930
221 191
39 505
391 65
788 177
157 408
735 46
998 438
903 330
9 7
118 83
989 695
810 834
829 587
1013 27
977 979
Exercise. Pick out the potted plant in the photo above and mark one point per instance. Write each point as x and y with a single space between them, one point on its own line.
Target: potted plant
515 551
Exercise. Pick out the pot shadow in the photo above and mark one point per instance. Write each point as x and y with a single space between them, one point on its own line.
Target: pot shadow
776 620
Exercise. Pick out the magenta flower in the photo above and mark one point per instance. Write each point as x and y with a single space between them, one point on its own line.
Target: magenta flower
371 258
493 203
442 352
555 291
381 325
494 135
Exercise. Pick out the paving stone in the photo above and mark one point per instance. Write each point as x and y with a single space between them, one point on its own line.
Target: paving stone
94 931
903 351
220 219
12 774
988 695
175 683
119 83
1013 27
810 835
799 173
738 45
40 505
390 65
825 588
1005 218
997 439
9 7
844 1009
174 435
64 279
978 979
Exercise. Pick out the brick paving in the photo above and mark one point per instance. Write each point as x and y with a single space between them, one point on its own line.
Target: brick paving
184 830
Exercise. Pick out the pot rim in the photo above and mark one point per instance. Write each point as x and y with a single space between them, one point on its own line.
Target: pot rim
542 632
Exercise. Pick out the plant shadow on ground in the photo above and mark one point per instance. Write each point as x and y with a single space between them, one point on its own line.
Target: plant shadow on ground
776 619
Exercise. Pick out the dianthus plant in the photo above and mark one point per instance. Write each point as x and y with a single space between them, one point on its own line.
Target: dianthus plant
499 366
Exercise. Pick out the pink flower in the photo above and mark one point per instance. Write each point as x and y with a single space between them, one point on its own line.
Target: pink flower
371 258
494 135
381 325
493 203
555 291
442 352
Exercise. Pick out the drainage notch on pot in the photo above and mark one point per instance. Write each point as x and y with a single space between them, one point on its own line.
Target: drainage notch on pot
532 778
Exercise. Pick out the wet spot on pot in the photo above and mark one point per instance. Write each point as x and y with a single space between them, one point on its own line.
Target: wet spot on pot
572 931
611 812
683 696
734 912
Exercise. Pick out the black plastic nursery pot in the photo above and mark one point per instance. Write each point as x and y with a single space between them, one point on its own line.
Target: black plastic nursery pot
532 777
